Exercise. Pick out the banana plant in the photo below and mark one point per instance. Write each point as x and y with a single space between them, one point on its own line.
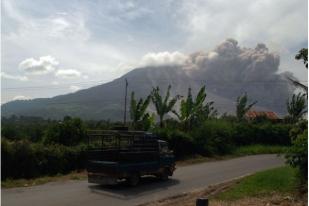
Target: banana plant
138 110
297 107
194 111
163 105
242 106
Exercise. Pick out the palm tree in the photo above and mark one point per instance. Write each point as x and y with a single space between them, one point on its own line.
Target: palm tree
241 106
163 106
297 106
138 110
302 55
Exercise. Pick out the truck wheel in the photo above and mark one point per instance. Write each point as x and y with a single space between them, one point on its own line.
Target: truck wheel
133 180
164 175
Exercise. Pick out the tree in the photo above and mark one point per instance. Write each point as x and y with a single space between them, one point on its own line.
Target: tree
70 131
186 111
207 111
194 111
138 113
163 106
296 107
297 154
242 106
302 55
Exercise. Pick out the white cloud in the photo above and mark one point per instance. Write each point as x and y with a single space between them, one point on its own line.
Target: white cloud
163 58
21 97
44 65
64 35
85 77
13 77
67 73
74 88
209 22
55 83
95 38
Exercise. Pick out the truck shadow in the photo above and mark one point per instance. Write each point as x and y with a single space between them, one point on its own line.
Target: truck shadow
122 190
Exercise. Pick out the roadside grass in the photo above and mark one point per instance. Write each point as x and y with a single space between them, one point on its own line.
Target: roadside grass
11 183
277 186
260 149
254 149
196 159
282 180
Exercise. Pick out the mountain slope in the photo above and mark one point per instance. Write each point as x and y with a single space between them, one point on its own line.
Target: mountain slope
228 71
106 101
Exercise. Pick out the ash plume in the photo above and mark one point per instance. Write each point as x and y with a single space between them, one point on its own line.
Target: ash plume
230 70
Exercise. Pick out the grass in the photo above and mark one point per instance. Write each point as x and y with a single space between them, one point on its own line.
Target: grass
237 152
260 149
271 187
10 183
279 180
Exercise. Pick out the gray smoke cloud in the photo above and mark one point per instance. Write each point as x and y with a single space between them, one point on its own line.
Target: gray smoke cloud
230 70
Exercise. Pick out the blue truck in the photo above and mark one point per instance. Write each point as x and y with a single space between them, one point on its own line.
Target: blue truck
116 155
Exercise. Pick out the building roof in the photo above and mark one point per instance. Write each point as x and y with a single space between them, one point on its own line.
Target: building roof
268 114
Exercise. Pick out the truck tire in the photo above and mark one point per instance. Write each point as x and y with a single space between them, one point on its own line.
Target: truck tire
133 180
164 175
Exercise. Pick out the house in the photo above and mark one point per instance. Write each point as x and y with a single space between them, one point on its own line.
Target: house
254 115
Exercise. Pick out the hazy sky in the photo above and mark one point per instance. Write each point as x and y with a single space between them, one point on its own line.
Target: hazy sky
56 47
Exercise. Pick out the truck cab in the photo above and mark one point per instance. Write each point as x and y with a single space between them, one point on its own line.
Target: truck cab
116 155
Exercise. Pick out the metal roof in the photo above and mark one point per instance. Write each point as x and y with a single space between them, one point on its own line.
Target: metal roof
269 114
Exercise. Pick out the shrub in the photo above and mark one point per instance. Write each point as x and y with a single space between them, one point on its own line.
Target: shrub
22 159
70 131
213 137
297 155
180 142
262 133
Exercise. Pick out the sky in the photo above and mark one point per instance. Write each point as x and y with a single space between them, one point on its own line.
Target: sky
56 47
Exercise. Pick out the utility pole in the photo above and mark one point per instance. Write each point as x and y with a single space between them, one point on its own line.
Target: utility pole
125 104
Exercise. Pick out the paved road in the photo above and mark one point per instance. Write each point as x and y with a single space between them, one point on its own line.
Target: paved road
185 179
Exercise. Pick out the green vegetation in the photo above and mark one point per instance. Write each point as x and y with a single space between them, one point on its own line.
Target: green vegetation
242 106
75 175
221 137
23 159
279 180
303 55
69 132
163 106
61 148
236 152
192 112
140 119
297 155
296 107
260 149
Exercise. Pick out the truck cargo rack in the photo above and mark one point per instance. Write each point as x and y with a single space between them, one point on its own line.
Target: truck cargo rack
133 141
